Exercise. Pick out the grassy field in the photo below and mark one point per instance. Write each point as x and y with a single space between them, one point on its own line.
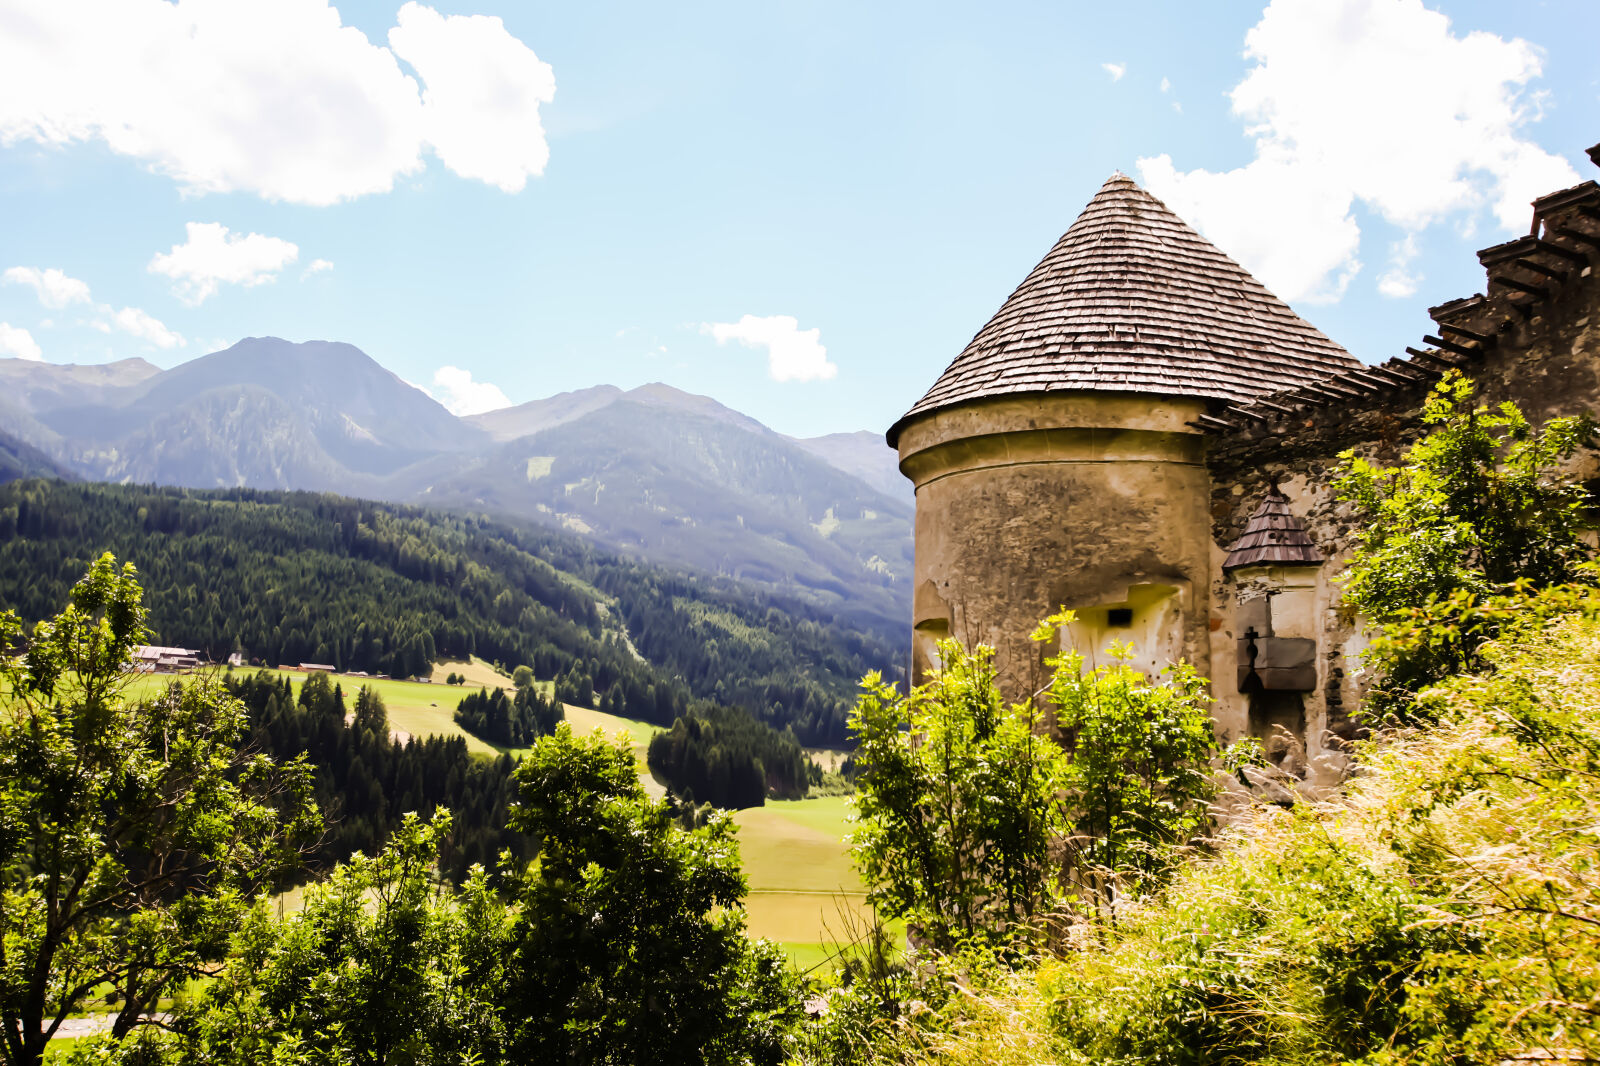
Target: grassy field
415 708
804 893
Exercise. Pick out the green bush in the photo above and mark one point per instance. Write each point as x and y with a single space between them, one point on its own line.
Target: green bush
1478 509
959 804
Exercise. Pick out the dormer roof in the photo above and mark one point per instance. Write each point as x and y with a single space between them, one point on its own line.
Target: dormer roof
1132 299
1273 537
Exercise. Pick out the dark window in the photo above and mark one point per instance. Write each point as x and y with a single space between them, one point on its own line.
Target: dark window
1119 616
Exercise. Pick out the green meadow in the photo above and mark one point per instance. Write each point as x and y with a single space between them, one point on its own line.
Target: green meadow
804 892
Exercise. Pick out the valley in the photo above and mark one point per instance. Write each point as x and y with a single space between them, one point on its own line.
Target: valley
653 472
804 893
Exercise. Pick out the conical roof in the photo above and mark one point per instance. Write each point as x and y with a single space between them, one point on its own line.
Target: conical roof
1273 537
1131 299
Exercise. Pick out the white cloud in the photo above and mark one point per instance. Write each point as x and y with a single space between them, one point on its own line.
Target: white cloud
1166 85
1397 280
54 289
212 257
18 343
463 396
1374 101
273 97
480 109
793 354
316 266
137 323
1116 70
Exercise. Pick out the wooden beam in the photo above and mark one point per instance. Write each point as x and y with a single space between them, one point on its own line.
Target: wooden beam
1409 371
1328 395
1540 268
1432 357
1367 377
1520 286
1564 253
1308 394
1391 376
1577 235
1337 386
1463 331
1451 346
1208 422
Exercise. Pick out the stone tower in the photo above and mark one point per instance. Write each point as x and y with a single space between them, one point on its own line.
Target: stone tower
1059 459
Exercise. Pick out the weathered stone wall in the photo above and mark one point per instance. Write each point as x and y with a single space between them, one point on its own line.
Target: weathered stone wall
1094 501
1546 359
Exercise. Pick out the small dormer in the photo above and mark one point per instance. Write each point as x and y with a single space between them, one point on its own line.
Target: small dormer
1275 567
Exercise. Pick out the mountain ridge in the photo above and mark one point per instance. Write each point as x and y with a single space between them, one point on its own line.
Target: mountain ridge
655 471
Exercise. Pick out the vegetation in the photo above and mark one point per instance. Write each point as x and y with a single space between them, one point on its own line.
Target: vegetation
130 836
136 838
286 577
959 804
975 826
290 577
510 721
1476 512
324 984
1443 912
727 760
365 782
622 941
628 944
1137 778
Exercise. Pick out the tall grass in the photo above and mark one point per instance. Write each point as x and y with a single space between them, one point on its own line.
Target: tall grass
1443 911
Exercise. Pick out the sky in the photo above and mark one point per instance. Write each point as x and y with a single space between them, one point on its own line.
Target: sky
804 210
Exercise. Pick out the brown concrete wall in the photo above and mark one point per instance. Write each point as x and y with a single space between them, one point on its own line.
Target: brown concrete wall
1088 500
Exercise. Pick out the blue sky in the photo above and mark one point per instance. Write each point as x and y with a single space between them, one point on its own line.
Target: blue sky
627 193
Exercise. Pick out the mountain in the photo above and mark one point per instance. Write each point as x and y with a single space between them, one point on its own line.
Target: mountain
19 459
654 471
265 412
676 477
39 386
864 454
526 419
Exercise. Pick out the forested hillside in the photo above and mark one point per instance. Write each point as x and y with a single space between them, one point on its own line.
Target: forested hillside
291 577
365 782
668 476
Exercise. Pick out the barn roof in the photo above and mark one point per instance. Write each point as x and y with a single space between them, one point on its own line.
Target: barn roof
1132 299
1273 537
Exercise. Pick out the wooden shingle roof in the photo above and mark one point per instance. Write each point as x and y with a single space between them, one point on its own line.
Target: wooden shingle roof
1131 299
1273 537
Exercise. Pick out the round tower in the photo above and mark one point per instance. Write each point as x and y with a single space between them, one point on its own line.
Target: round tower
1056 460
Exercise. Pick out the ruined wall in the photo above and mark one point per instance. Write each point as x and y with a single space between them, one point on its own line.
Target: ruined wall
1095 501
1540 351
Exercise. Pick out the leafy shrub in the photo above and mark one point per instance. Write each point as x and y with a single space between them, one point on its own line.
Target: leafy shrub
959 803
1478 509
1137 781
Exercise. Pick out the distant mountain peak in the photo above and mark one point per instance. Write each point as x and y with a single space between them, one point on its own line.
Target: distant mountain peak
535 416
658 394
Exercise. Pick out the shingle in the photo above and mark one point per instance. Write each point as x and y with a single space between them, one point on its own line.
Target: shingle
1273 536
1133 299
